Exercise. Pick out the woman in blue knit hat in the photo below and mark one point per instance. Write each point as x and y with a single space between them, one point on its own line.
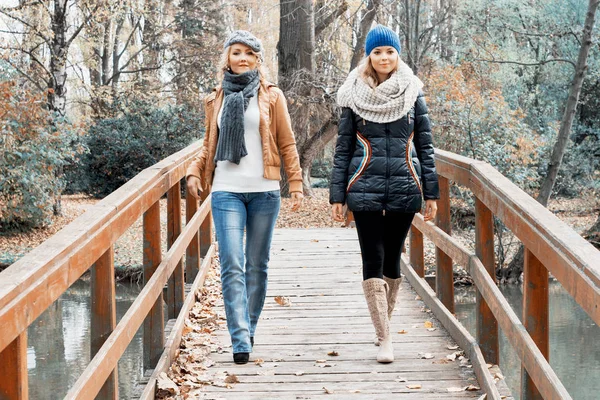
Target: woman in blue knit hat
248 132
383 168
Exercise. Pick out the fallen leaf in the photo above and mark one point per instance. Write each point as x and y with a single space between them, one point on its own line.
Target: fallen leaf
333 353
259 361
283 301
232 379
472 388
187 329
417 386
299 373
328 391
165 385
454 355
450 347
314 240
431 329
321 361
400 379
426 356
325 365
428 324
402 332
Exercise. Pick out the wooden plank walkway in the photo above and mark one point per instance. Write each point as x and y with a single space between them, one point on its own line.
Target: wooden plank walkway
319 270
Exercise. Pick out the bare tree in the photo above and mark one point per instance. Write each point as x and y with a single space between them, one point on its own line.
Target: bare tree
365 20
422 24
54 33
311 104
515 267
567 120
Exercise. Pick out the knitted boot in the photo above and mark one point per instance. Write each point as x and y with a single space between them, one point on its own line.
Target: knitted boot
393 287
375 290
392 293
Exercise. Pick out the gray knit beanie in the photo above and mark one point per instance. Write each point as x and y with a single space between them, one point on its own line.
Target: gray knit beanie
244 37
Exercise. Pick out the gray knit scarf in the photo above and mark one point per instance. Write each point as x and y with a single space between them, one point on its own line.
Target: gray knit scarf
238 89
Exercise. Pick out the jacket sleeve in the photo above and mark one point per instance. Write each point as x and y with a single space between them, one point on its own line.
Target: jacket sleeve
425 151
196 167
344 147
286 142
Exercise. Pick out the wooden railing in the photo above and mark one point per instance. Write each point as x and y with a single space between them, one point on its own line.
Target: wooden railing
551 246
32 284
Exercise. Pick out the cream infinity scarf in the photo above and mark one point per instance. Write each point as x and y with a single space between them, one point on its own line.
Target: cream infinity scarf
388 102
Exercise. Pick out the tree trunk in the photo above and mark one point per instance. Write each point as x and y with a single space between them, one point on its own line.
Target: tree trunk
296 46
150 80
361 35
57 89
296 49
516 264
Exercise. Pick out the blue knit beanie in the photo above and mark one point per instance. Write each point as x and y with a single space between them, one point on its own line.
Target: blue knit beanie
381 36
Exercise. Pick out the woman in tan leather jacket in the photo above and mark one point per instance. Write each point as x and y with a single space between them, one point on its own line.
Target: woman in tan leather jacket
248 132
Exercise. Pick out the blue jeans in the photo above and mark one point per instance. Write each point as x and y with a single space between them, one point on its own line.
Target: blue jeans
244 283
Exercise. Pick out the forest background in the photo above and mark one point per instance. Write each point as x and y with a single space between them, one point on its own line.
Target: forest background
94 91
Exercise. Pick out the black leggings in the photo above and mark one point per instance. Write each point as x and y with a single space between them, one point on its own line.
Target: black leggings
381 238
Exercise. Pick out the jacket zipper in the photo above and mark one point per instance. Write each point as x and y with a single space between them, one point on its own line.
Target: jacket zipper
387 166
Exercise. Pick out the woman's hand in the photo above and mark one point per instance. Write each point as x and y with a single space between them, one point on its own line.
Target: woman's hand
297 198
193 186
337 212
430 210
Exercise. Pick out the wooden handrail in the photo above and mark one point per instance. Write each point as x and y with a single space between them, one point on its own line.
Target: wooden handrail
99 368
32 284
569 257
550 244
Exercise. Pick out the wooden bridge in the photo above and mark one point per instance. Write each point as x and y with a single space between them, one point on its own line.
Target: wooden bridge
328 312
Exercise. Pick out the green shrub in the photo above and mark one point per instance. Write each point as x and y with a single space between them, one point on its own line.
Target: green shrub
121 147
35 144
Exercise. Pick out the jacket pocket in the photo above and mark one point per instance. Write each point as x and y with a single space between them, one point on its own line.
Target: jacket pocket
411 167
364 162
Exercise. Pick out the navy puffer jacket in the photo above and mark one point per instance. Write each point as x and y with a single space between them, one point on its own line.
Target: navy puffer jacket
384 166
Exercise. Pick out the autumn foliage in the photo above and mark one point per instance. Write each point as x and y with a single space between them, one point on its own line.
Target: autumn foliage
472 118
34 145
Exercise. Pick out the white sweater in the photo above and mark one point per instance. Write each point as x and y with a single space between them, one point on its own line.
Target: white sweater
247 177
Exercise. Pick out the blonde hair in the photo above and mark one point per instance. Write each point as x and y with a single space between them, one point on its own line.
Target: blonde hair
224 64
368 73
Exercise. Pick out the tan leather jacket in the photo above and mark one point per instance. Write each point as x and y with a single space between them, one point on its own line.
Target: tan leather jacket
275 131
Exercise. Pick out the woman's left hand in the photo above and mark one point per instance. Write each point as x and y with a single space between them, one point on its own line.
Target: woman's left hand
297 198
430 210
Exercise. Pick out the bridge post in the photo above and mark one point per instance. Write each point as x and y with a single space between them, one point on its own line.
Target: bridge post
192 254
154 322
487 326
205 231
104 318
13 370
176 285
416 251
535 316
444 281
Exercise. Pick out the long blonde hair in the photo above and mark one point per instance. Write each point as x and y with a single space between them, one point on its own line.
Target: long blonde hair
368 73
224 64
